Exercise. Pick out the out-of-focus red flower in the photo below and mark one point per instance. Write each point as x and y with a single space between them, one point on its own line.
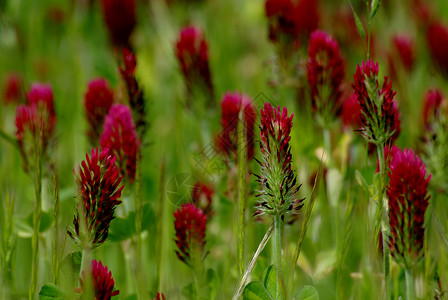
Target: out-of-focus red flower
160 296
231 105
120 138
97 102
202 194
402 54
351 112
325 72
291 21
379 116
12 88
119 16
278 188
192 54
103 283
98 181
190 224
437 40
408 200
431 109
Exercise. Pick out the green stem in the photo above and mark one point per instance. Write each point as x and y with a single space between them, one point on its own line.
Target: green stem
8 138
138 227
160 226
278 254
86 268
56 248
410 289
327 143
242 173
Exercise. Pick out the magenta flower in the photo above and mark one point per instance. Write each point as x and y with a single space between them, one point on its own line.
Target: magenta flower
202 195
12 88
325 72
103 283
98 181
431 108
119 16
190 224
120 138
231 105
437 40
278 182
379 111
97 102
408 200
192 54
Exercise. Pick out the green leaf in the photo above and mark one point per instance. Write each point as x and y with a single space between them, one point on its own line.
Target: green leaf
46 220
359 25
189 291
50 291
307 292
374 8
122 228
270 280
255 291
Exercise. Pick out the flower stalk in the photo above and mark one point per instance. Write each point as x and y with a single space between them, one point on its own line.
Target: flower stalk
410 288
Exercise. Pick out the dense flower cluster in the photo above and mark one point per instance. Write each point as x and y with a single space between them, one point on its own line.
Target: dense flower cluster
408 200
103 283
190 224
231 106
437 40
120 138
201 195
98 181
12 88
192 54
97 102
119 16
278 182
325 72
35 123
379 111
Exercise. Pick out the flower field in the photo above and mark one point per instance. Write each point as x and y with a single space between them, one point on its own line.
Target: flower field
210 149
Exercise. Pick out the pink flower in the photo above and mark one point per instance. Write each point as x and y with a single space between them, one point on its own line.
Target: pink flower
103 283
12 88
98 181
190 224
120 138
119 16
97 102
231 105
431 109
408 200
325 72
437 40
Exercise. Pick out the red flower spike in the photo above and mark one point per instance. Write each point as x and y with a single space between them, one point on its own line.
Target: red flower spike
379 111
437 40
431 109
120 138
98 181
408 200
325 72
12 88
119 16
190 224
201 195
231 105
278 182
192 54
103 283
97 102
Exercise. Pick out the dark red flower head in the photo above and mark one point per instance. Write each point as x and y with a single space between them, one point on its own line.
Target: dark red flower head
202 195
192 54
97 102
190 224
278 182
325 72
12 88
98 181
351 112
408 200
437 40
403 50
35 123
119 16
291 21
431 109
103 283
120 138
231 105
379 111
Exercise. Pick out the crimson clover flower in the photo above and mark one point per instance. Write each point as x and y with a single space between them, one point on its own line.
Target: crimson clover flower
119 16
120 138
98 181
192 54
231 105
103 283
201 195
379 111
325 72
408 200
190 224
12 88
278 183
97 102
437 40
401 54
35 123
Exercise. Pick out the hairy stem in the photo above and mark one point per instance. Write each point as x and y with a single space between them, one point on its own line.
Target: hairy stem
138 227
160 226
242 173
410 289
56 247
278 254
